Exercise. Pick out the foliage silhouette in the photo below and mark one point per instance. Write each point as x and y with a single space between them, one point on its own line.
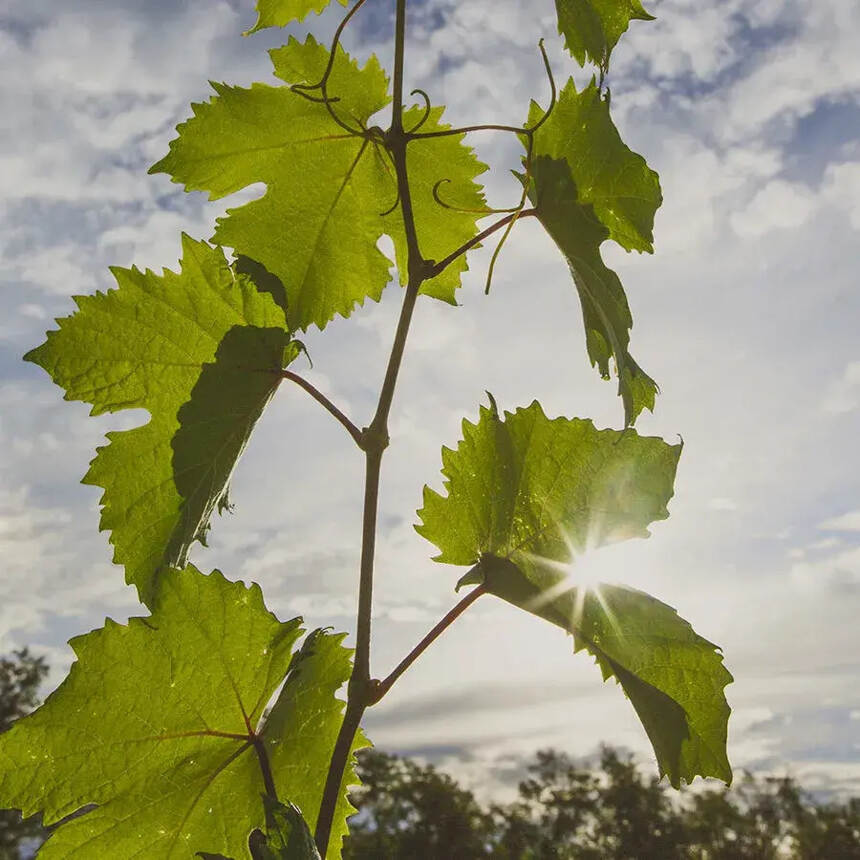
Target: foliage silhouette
599 810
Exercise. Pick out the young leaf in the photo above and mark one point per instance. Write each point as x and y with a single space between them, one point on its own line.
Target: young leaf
525 496
300 744
605 312
279 13
289 837
592 28
528 488
148 344
588 186
158 725
617 182
317 226
440 230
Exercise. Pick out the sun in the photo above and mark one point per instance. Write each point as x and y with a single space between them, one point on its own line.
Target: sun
587 571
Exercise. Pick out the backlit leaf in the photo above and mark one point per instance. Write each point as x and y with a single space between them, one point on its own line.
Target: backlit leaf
528 487
588 186
526 495
673 677
605 312
156 722
149 344
279 13
592 28
317 226
616 182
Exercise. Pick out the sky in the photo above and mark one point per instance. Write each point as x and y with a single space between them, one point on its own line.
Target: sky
746 316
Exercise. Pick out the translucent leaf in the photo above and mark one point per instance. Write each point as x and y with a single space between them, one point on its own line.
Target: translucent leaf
158 724
528 488
588 186
526 495
317 226
615 181
288 837
592 28
149 344
279 13
605 312
673 677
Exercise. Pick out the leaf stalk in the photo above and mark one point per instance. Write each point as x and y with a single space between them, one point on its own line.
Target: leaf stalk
326 404
380 688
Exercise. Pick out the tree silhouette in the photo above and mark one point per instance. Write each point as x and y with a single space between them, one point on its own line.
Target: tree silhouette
569 811
20 676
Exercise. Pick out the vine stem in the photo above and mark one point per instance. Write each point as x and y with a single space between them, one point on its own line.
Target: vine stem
382 687
374 443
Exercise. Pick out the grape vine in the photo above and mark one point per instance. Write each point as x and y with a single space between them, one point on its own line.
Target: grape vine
159 743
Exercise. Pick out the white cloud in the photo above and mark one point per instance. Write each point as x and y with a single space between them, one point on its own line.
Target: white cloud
843 395
786 79
780 205
848 522
839 571
842 187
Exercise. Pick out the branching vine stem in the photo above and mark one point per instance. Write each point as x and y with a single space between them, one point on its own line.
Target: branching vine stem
375 440
325 403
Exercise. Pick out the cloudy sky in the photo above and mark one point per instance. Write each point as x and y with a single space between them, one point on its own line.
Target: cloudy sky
746 315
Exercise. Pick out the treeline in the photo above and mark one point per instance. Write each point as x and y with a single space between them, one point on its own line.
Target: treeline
563 811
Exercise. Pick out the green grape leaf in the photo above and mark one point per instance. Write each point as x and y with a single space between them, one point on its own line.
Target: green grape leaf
617 182
592 28
216 422
673 677
525 496
317 226
332 188
529 487
158 725
279 13
605 312
449 161
587 187
300 744
288 837
151 344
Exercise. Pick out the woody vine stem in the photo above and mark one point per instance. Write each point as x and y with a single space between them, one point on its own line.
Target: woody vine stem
374 442
362 690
